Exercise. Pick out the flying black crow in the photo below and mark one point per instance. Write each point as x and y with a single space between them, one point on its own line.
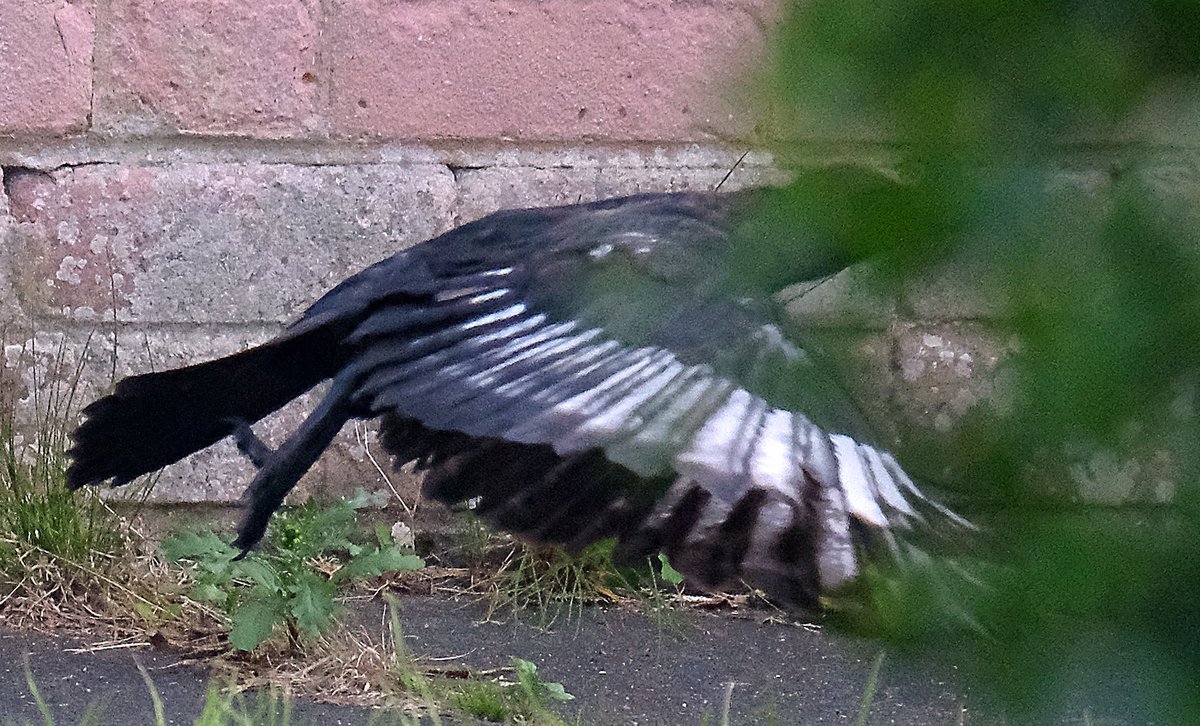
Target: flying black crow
611 369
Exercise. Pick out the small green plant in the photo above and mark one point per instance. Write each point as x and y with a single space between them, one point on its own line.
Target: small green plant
41 522
552 582
533 689
527 700
669 574
292 580
227 707
483 700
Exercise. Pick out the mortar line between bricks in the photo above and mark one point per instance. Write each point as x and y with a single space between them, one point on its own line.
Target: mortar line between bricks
43 153
64 325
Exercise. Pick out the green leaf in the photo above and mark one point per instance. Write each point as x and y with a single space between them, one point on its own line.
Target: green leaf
260 573
557 692
253 623
527 675
312 605
383 535
376 562
193 546
363 499
533 686
208 592
668 573
145 610
359 500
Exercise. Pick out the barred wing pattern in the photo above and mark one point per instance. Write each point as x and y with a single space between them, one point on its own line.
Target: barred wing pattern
567 434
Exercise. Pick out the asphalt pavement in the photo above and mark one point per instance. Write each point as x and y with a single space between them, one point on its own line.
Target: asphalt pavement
623 668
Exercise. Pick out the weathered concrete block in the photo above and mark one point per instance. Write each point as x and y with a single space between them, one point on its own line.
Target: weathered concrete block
849 299
213 242
1108 477
483 191
46 66
944 370
214 67
558 70
613 182
10 311
959 289
861 360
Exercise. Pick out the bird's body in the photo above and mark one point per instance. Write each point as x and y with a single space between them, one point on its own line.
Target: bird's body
611 369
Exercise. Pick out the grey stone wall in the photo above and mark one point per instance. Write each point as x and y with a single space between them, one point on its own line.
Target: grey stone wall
130 260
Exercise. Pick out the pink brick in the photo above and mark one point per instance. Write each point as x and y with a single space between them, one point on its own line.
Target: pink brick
45 66
558 70
210 66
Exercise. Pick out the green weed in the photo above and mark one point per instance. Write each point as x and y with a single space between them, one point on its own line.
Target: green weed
483 700
290 582
534 691
525 700
551 582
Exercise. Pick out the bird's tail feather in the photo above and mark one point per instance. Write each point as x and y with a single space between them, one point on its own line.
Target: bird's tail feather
155 419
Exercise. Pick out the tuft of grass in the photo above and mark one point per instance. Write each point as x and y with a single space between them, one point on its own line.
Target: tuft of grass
523 699
229 707
526 701
63 555
483 700
552 583
555 584
39 517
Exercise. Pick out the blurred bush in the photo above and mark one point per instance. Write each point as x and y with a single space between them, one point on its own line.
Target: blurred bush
983 104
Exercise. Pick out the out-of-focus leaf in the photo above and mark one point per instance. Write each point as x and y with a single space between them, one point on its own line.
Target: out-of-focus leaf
669 574
207 592
253 622
312 604
378 561
1016 132
195 546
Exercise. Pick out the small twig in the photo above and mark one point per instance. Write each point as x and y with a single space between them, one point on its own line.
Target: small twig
362 440
727 704
444 658
729 173
109 646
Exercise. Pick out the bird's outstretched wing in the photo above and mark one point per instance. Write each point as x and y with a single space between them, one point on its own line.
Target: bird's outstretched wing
596 371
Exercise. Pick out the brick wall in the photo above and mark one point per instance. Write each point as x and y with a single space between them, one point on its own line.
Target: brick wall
181 177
